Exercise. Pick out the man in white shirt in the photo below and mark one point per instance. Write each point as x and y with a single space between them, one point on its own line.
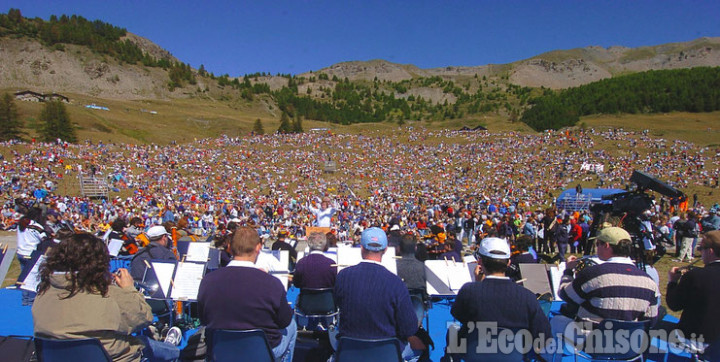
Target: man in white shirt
324 214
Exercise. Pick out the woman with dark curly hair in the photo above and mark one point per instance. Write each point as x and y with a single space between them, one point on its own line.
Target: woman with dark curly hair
79 298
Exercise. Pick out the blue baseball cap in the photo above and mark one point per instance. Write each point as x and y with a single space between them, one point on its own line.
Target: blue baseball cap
374 239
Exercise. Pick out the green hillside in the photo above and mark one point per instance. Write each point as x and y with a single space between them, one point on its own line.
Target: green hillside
684 90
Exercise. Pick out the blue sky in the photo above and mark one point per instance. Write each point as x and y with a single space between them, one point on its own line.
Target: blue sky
279 36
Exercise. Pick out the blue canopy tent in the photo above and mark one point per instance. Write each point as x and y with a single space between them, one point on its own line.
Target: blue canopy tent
572 201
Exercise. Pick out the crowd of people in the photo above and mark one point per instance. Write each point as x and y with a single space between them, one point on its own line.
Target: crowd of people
430 194
276 181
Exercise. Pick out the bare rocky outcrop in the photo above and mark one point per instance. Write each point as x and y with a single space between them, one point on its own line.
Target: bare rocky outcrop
27 64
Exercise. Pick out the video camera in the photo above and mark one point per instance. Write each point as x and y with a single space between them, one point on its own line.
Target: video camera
629 206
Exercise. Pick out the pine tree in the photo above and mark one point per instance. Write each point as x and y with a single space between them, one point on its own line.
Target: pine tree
258 128
284 124
297 124
10 123
56 123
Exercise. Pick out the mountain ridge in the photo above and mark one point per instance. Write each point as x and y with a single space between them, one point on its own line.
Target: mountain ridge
556 69
28 64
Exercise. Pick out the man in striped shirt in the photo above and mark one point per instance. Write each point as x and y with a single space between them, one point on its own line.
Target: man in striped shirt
615 289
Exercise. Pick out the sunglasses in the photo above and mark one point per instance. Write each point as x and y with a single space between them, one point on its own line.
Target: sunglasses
701 248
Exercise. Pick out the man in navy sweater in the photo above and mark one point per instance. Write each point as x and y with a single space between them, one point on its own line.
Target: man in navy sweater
240 296
315 270
486 300
374 302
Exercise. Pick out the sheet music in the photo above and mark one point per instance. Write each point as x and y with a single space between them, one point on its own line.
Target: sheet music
114 246
283 277
537 278
348 256
198 252
164 273
187 281
270 260
556 274
447 278
33 278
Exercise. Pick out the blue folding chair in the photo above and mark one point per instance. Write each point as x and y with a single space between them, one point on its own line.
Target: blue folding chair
600 348
70 350
363 350
236 345
316 307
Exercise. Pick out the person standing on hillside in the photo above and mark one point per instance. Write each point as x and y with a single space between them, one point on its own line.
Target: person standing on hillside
690 230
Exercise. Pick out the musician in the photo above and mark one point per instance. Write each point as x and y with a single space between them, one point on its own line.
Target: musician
315 270
436 242
282 244
486 300
241 296
615 289
374 302
117 231
79 298
695 292
453 249
158 249
409 268
521 255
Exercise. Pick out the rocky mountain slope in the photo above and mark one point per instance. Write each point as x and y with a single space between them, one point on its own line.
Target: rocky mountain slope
27 64
555 69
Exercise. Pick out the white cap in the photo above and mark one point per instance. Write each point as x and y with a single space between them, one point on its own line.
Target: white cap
395 227
156 231
495 248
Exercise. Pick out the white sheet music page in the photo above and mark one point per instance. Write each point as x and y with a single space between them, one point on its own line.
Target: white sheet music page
33 278
443 277
198 252
114 246
458 275
187 281
164 273
349 256
388 260
556 274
